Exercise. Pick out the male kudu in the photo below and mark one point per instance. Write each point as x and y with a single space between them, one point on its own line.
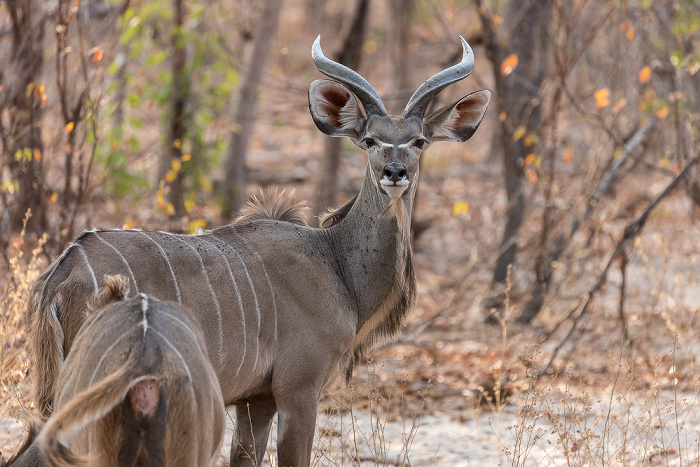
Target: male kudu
281 304
137 389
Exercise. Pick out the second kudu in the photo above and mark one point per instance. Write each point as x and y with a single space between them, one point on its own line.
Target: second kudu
282 304
137 389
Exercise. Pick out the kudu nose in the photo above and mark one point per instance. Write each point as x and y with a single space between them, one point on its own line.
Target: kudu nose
394 172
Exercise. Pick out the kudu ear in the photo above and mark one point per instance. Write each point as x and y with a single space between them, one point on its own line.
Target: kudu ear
459 121
335 109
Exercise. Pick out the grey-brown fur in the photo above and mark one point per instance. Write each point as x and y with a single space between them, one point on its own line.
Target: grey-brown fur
282 305
124 347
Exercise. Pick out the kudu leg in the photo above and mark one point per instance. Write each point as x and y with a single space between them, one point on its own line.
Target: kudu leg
295 433
253 422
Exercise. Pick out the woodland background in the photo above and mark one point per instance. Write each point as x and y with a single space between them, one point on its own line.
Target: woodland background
558 248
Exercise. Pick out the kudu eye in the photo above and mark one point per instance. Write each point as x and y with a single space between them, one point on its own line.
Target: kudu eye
369 142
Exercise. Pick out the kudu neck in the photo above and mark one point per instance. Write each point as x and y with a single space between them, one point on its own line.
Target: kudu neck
373 246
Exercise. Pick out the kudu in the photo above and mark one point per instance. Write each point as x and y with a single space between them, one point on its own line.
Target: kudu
136 389
281 304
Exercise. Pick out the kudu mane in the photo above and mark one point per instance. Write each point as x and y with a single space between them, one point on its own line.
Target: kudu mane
274 204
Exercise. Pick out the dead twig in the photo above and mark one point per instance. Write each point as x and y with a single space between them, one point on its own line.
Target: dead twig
632 230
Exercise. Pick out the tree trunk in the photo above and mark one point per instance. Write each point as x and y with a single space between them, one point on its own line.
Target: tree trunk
23 138
349 56
170 168
243 110
517 92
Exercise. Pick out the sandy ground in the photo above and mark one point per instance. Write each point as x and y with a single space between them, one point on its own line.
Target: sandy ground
632 429
635 429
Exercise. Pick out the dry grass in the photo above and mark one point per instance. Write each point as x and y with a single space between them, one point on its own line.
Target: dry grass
15 396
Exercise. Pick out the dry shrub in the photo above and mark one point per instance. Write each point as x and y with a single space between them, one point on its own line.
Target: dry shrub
15 393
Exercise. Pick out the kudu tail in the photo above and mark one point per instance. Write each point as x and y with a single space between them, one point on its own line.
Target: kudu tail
87 407
46 342
46 335
116 288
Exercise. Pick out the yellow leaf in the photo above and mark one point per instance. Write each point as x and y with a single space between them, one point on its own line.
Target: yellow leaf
644 75
662 112
44 98
630 33
189 205
30 88
177 143
501 116
196 225
170 176
176 165
37 155
186 157
54 197
530 139
602 98
169 209
519 133
529 159
460 207
509 64
369 47
70 126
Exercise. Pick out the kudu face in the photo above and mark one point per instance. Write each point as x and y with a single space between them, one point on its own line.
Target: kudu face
394 143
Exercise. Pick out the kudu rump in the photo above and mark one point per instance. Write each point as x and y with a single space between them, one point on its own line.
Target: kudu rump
136 389
281 304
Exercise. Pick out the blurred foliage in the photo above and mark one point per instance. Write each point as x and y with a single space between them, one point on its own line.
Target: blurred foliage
143 39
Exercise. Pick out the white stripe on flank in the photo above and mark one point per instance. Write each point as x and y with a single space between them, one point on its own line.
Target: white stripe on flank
87 263
184 325
54 312
213 294
105 323
269 283
55 265
255 298
144 309
238 294
104 355
172 273
126 263
184 363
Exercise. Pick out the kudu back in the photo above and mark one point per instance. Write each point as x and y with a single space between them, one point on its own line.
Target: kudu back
137 389
282 305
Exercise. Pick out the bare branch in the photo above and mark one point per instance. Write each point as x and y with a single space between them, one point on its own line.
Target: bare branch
631 232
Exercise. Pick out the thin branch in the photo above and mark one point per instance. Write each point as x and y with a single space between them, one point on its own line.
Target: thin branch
631 232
